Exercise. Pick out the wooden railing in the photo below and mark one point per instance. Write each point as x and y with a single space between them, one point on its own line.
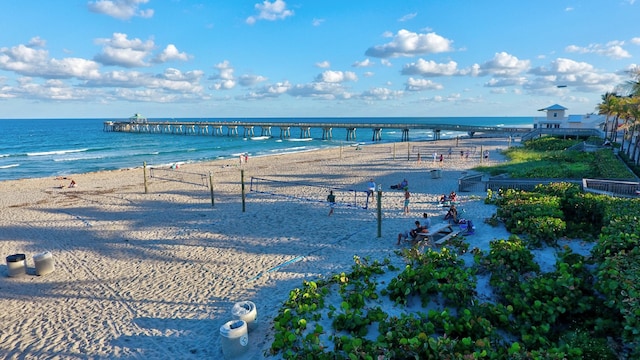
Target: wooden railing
562 132
611 187
471 183
524 184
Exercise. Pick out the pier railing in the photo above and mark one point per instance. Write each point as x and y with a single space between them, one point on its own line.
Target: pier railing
218 128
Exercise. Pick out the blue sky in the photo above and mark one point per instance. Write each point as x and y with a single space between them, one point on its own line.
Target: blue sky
307 58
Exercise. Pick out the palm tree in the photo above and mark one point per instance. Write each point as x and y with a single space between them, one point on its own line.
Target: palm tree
634 84
623 112
608 107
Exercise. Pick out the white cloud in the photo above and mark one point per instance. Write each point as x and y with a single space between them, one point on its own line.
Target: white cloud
120 9
323 64
121 51
502 82
28 61
408 17
225 78
225 69
386 62
270 11
422 84
381 94
317 22
564 66
635 40
430 68
320 90
612 49
406 43
579 76
504 65
268 91
170 80
36 42
330 76
250 80
363 63
171 53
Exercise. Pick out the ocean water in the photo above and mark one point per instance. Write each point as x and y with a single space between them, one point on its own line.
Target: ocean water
34 148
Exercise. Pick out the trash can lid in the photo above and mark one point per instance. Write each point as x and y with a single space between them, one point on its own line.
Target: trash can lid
228 328
242 308
42 256
16 257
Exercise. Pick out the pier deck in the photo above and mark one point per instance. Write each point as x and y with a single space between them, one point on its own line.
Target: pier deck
217 128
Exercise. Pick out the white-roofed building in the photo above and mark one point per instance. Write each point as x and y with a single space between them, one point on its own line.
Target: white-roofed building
556 119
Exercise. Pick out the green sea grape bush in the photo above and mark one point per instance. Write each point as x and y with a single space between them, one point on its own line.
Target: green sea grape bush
548 158
431 274
508 261
577 311
537 216
549 143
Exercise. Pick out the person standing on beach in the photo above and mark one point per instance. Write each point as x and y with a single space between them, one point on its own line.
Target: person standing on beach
332 201
371 188
407 199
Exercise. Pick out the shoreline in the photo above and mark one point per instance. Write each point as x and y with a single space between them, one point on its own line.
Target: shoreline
234 156
156 274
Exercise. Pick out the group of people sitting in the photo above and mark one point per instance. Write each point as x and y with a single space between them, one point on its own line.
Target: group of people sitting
71 185
403 185
453 197
452 214
421 228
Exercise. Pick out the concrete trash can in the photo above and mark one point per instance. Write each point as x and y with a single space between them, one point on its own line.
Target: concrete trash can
435 174
234 338
44 263
246 310
17 264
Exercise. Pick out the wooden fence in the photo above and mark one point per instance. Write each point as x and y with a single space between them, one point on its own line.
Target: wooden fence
617 188
611 187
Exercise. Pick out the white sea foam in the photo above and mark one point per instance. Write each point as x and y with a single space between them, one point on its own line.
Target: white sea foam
56 152
9 166
79 158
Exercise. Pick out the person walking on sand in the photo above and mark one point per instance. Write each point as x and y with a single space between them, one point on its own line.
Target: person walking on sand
371 188
407 199
332 202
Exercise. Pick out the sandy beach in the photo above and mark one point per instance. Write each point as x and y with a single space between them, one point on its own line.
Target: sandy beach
154 275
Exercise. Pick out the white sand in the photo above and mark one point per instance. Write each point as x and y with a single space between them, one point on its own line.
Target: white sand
155 275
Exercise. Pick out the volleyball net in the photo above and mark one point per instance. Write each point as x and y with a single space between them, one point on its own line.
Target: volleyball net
177 175
348 198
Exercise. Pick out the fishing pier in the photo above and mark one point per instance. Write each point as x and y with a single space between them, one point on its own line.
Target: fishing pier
248 128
